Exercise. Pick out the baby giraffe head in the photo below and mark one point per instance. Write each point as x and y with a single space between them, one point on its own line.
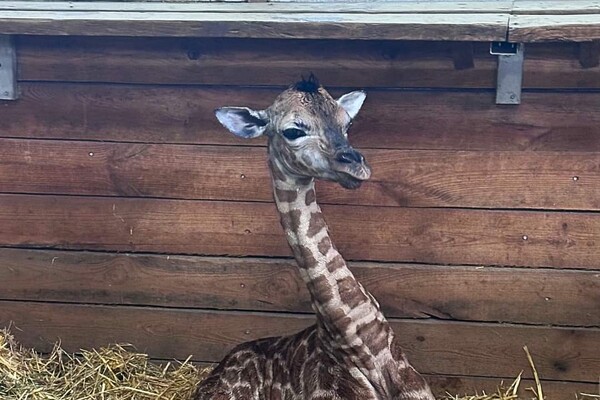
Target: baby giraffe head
307 131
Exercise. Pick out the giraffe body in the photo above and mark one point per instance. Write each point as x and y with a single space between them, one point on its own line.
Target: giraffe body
351 352
270 369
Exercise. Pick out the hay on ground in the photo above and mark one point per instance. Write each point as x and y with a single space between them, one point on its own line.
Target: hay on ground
118 372
112 373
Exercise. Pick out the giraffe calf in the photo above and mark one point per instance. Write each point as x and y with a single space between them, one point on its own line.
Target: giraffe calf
351 352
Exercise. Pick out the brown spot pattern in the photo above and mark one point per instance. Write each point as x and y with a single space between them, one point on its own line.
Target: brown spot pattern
324 245
310 197
336 263
350 292
343 322
308 260
291 220
373 330
322 289
286 196
316 224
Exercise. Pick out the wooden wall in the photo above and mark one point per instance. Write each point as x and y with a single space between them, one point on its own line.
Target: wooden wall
128 214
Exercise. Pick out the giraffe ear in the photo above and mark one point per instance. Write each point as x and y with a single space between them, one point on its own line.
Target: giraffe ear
352 102
243 121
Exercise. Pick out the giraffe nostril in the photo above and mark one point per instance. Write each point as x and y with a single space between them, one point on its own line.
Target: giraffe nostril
349 156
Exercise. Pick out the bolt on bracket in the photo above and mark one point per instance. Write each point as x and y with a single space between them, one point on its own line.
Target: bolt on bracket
510 71
8 69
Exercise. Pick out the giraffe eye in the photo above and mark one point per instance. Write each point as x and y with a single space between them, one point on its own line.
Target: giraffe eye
293 133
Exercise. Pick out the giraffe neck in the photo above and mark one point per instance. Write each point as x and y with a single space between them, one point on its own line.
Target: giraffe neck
350 319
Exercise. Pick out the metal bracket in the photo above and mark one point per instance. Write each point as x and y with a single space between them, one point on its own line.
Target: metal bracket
8 69
510 71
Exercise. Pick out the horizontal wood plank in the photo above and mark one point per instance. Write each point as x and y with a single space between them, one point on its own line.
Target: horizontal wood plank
517 7
554 7
454 236
222 61
485 350
540 28
366 64
527 21
425 178
361 7
421 119
460 26
532 296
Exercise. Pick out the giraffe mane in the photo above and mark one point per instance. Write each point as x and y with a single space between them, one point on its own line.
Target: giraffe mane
310 85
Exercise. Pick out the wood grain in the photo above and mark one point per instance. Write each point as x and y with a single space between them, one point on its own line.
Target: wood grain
242 62
540 28
535 7
366 64
486 350
453 236
522 295
362 7
529 22
476 26
553 7
389 119
425 178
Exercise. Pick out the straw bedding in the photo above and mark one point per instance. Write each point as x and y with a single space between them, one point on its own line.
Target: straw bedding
112 373
119 373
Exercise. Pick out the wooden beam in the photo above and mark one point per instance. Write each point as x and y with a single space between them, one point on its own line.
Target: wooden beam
219 61
464 121
357 7
434 347
543 28
424 178
453 236
531 21
539 296
554 7
479 27
547 20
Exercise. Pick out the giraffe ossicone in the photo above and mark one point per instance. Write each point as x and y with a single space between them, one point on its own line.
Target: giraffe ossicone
351 352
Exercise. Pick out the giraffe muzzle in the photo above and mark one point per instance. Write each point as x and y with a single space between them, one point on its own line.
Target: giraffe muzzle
349 156
351 168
